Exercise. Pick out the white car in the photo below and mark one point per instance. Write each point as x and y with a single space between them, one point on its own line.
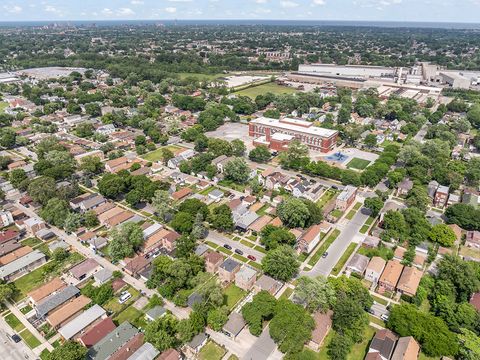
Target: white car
124 297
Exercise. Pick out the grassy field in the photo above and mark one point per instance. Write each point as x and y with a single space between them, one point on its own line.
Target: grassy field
212 351
254 91
359 350
3 106
14 323
260 248
31 341
346 255
255 265
156 155
28 282
286 294
247 243
130 314
232 295
200 77
33 241
422 356
358 164
325 245
376 320
380 300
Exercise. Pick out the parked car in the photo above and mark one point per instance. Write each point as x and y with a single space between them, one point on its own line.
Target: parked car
16 338
226 246
325 254
239 252
124 297
251 257
384 317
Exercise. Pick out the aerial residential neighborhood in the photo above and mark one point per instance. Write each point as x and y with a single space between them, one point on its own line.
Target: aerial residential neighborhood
238 190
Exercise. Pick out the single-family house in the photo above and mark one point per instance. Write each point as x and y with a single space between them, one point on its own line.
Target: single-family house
323 324
228 269
216 195
181 194
245 278
193 347
85 269
97 332
129 348
407 349
170 354
213 260
374 269
346 198
441 196
40 293
22 265
109 345
358 264
155 313
51 302
390 276
382 344
145 352
234 325
102 276
67 311
409 281
267 283
309 239
404 187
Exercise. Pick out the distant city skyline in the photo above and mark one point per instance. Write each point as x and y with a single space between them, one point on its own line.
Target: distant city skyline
459 11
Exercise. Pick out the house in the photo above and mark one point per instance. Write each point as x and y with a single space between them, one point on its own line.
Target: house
471 199
14 255
193 347
137 265
181 194
216 195
170 354
260 223
86 202
268 284
85 269
220 162
58 244
245 278
102 276
244 221
129 348
9 236
96 333
323 323
374 269
145 352
107 346
213 260
228 269
67 311
371 242
407 349
52 287
155 313
9 247
358 264
175 162
404 187
201 249
122 217
6 218
309 239
234 325
33 225
22 265
472 239
457 230
51 302
390 276
346 198
441 196
383 344
106 129
409 281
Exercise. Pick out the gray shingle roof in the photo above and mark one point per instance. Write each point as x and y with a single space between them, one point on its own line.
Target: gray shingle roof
229 265
55 300
145 352
20 263
112 342
81 322
156 312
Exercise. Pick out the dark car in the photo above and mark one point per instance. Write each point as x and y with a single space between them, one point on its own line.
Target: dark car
325 254
226 246
239 252
16 338
251 257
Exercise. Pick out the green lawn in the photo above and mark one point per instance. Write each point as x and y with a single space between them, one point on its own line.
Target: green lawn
255 265
422 356
44 354
130 314
358 164
212 351
331 238
326 197
232 185
31 242
233 357
367 225
380 300
357 206
31 341
206 191
232 295
271 87
14 323
3 106
359 350
225 251
26 309
262 210
376 320
211 244
240 258
346 255
156 155
247 243
260 248
350 214
337 213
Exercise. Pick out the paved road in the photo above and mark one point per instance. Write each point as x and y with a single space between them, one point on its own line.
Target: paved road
325 265
10 350
87 252
262 348
220 239
421 134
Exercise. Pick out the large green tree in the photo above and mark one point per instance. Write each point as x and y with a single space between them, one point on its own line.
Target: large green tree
281 263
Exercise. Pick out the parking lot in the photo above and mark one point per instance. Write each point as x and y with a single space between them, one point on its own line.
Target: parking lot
232 131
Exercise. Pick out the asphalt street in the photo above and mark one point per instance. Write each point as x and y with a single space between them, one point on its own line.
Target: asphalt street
220 239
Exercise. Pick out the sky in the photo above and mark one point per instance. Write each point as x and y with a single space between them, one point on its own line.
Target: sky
368 10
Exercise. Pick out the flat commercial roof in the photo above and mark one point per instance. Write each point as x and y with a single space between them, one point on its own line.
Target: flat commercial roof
295 125
82 321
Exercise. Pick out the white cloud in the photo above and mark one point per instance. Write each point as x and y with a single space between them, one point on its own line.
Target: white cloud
262 11
319 2
288 4
125 12
107 12
51 9
137 2
171 10
180 1
13 9
261 1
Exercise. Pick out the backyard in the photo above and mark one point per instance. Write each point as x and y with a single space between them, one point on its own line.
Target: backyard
156 155
212 351
232 295
271 87
326 197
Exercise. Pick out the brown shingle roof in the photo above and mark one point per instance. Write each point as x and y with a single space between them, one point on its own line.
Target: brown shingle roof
6 259
323 322
180 194
47 289
213 257
84 268
98 332
409 281
67 310
391 273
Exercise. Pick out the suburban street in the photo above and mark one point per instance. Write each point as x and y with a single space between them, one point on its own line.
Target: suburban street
262 348
10 350
220 239
348 233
